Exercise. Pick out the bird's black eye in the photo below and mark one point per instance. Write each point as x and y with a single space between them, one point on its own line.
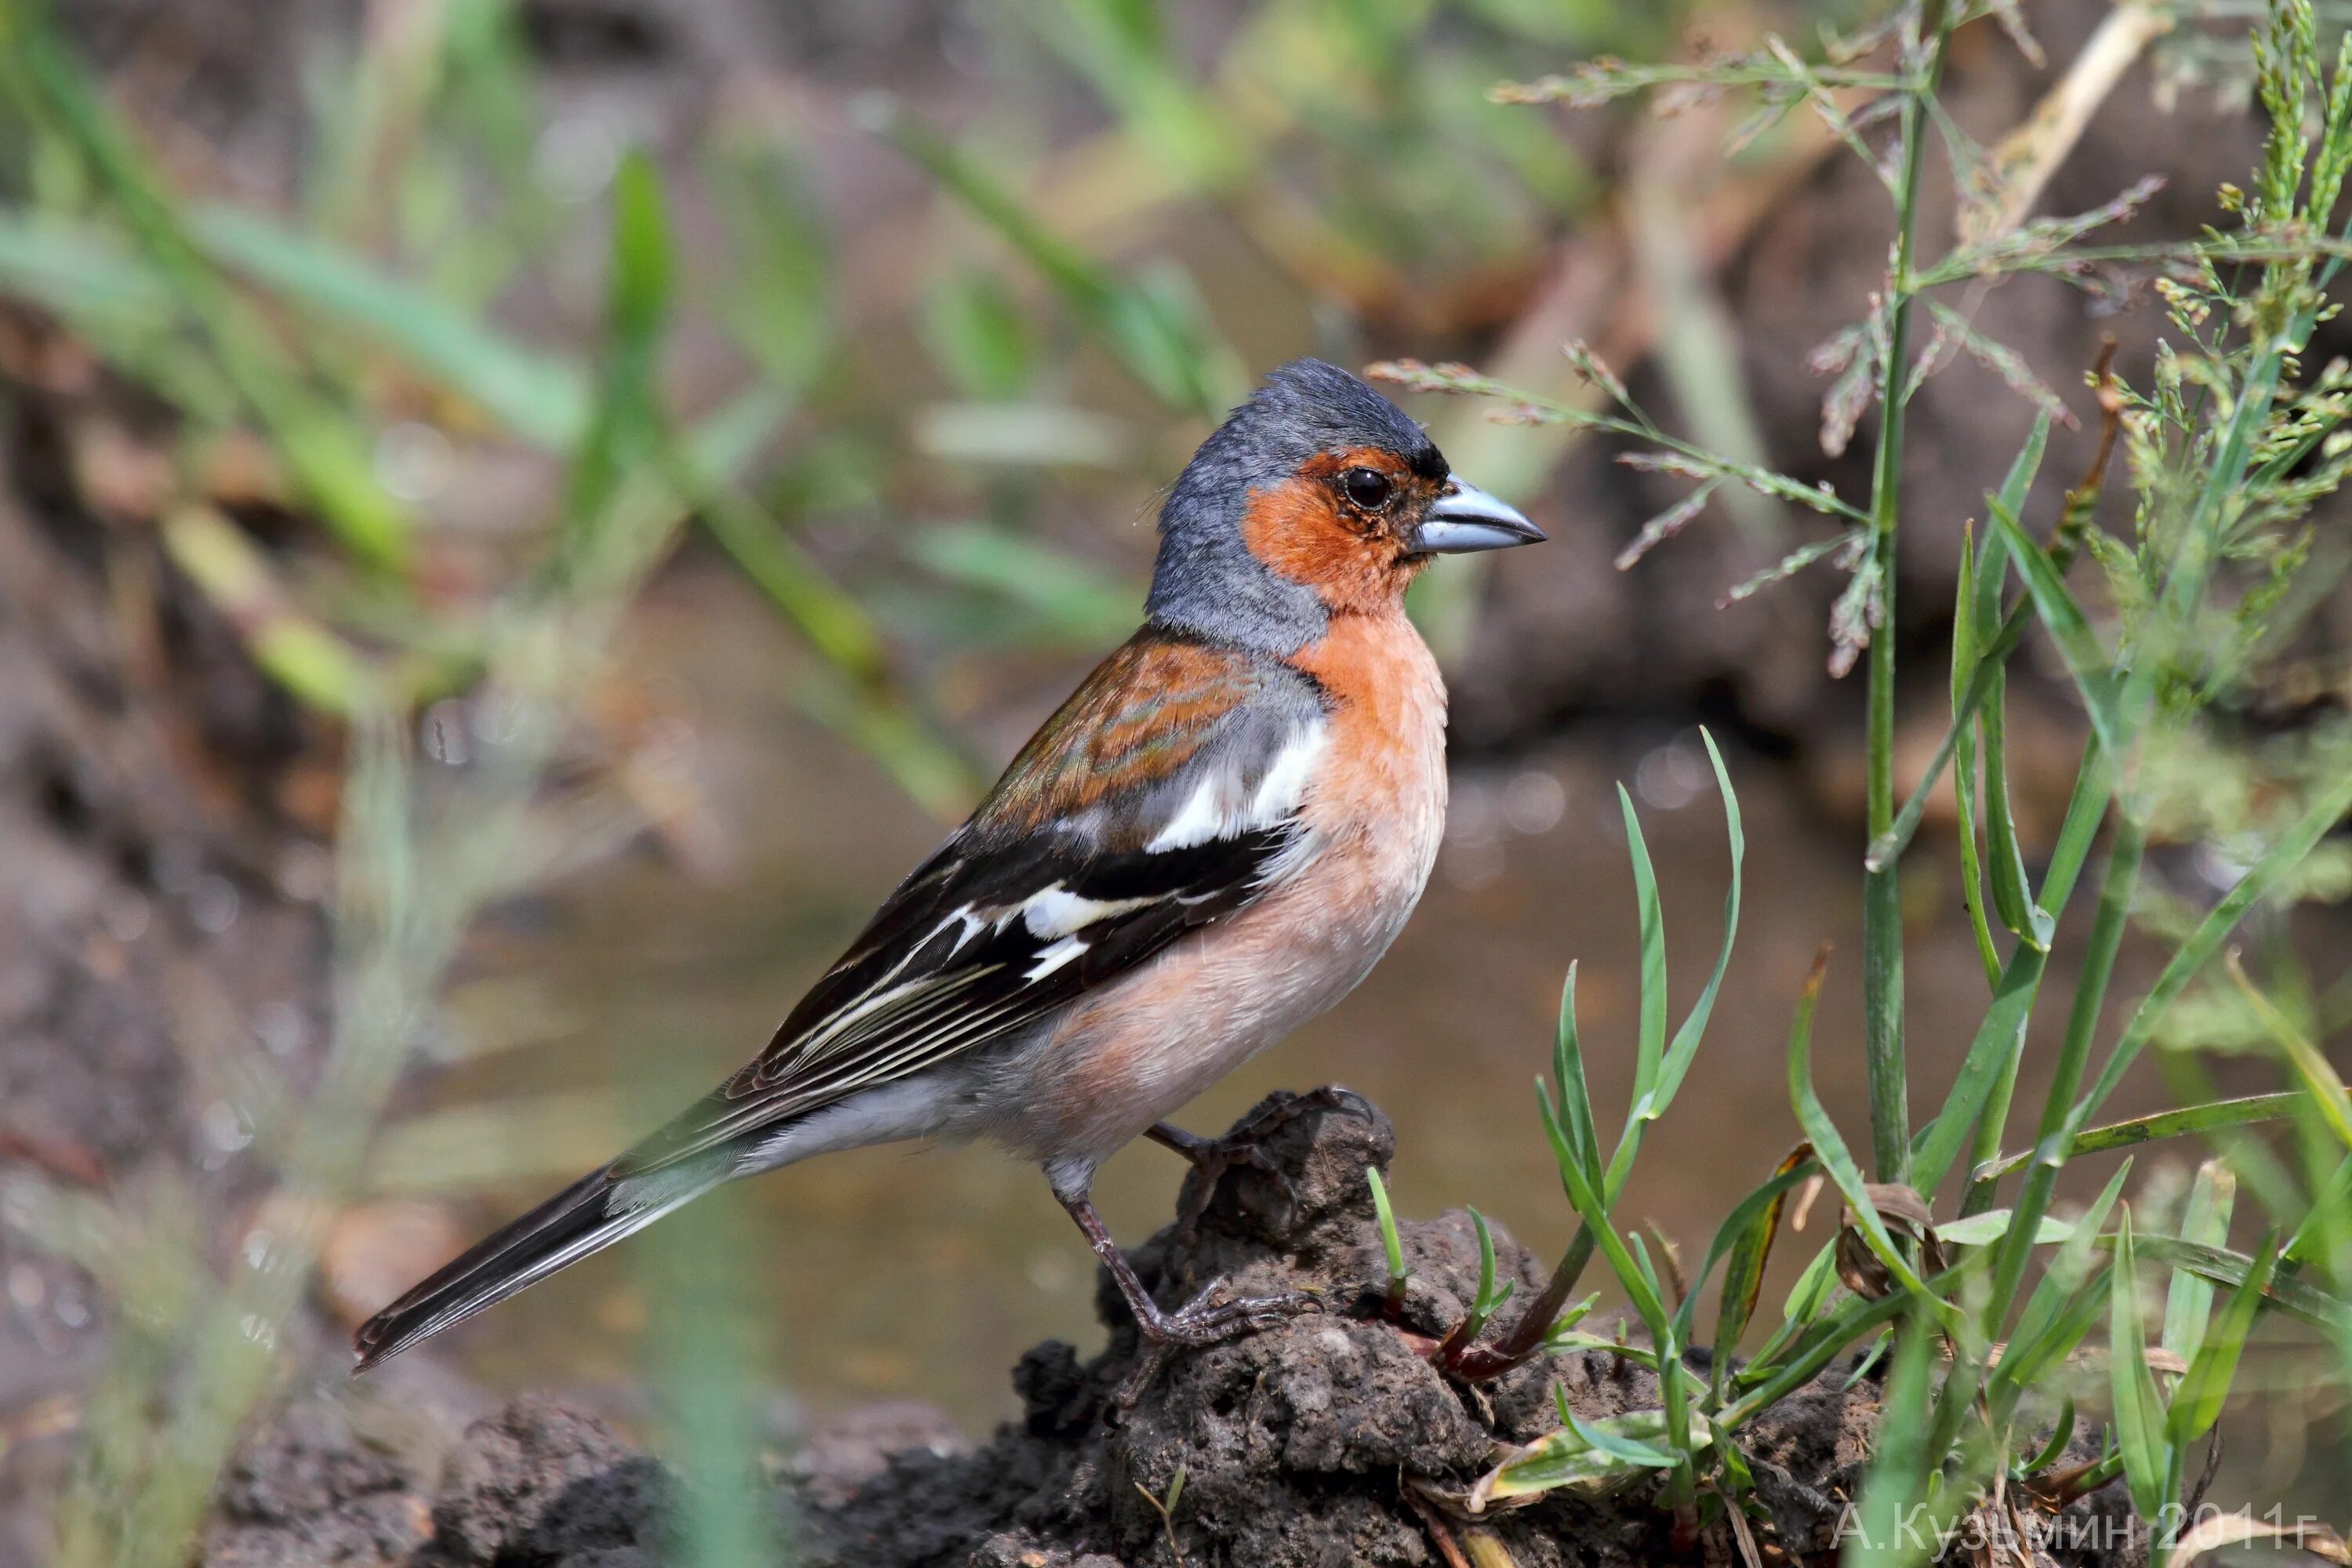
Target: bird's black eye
1367 487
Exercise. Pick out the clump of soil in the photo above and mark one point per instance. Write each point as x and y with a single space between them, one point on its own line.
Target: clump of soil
1314 1445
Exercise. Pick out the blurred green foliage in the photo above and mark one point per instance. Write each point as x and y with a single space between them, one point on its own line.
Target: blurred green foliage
368 318
1350 144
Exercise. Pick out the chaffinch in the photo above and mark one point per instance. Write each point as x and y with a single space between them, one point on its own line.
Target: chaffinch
1211 842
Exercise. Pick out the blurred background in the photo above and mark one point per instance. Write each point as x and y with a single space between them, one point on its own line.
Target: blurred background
324 327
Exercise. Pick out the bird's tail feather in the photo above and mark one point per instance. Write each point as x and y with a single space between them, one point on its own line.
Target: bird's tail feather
587 1217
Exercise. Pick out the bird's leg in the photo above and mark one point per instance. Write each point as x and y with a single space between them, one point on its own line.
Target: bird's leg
1212 1157
1244 1148
1193 1146
1200 1321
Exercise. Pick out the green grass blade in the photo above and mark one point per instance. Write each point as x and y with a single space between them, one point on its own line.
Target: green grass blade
1391 1244
2289 851
1568 1071
2298 1299
2062 1437
1625 1450
834 623
704 1344
1751 1224
2141 1430
1814 1348
1813 1285
326 455
120 305
541 397
1887 1530
74 272
1640 1250
292 648
2013 894
2087 812
1488 1297
1683 1049
1125 50
1630 1275
1998 1038
2064 1274
1829 1147
1985 609
624 425
1649 1047
2324 1090
1981 644
1799 1310
852 694
2027 1362
2086 661
2189 1298
2062 1113
1962 743
1062 599
1583 1454
2086 807
2205 1387
1162 344
2160 1125
777 299
1991 1224
1752 1229
2313 1239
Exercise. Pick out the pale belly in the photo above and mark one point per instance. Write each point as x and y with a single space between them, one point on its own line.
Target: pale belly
1122 1061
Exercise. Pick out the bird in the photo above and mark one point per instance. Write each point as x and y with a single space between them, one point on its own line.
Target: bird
1214 840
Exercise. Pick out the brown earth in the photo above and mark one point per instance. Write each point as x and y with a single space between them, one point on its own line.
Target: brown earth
1327 1442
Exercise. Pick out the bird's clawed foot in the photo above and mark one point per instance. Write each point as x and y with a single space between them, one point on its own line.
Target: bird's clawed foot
1203 1321
1244 1148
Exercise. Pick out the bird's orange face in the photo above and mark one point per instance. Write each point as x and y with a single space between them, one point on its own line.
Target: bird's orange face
1317 496
1343 526
1357 526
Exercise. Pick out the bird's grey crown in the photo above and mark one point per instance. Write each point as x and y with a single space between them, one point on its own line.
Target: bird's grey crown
1205 579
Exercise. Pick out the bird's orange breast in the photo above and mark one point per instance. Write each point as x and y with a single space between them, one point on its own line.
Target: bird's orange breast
1386 764
1375 810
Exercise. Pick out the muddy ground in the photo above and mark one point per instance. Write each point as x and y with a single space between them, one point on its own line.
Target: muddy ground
162 817
1331 1441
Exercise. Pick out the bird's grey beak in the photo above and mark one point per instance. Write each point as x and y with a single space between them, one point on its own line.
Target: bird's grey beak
1466 517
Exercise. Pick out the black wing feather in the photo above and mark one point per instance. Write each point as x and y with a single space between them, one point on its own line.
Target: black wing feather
954 958
976 986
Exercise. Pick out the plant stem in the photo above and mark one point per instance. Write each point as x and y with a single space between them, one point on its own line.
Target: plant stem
1882 928
1978 1197
2061 1116
2093 781
1475 1363
1816 1351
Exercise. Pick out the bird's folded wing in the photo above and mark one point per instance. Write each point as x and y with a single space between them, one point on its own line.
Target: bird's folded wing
1164 796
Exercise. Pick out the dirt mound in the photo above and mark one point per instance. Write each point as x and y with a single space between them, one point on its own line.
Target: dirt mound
1298 1447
